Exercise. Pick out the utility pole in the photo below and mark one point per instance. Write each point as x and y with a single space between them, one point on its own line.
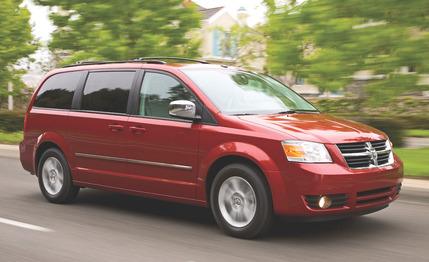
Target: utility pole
10 97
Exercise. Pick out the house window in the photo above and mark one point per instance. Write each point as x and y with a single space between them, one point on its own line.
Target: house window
299 81
224 44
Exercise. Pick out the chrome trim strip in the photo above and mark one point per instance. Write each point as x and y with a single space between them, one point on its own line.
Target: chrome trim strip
356 154
373 166
133 161
366 153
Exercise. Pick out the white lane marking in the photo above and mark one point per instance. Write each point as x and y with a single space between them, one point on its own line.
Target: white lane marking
24 225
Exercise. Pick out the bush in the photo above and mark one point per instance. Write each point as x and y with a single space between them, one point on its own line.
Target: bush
392 118
394 128
11 121
338 105
415 121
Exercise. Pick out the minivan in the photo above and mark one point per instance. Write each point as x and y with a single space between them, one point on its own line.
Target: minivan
240 143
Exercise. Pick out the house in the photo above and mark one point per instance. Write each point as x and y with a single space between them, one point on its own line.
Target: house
217 43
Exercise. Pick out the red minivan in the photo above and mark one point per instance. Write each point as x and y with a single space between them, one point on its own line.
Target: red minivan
238 142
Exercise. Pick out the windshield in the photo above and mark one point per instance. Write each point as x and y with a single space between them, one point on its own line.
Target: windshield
237 92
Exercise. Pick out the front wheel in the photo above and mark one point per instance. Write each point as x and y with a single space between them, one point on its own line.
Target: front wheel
55 179
241 201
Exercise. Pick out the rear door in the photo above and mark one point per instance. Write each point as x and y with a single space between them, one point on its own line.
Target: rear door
99 128
164 149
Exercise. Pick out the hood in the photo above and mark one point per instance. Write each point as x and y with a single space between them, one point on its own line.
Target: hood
317 127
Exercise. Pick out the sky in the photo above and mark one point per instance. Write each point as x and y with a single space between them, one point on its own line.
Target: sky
43 27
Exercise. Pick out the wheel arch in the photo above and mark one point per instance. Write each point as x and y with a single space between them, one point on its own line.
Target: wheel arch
50 140
220 157
225 161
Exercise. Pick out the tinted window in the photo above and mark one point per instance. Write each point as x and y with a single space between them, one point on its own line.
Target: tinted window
58 91
157 91
107 91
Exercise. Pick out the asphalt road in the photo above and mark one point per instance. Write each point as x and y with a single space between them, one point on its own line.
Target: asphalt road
104 226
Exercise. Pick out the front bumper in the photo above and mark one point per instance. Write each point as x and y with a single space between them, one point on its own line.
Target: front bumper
362 190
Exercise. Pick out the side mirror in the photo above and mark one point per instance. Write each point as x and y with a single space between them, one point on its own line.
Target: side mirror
182 109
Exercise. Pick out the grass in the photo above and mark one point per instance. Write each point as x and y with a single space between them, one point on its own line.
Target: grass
10 138
417 133
415 161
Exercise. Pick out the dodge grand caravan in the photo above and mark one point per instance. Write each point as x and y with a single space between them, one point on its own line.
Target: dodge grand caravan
240 143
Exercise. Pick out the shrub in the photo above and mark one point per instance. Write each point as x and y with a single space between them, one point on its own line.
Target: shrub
394 128
11 121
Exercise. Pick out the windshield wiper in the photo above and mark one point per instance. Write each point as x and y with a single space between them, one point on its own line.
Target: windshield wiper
287 112
243 114
296 111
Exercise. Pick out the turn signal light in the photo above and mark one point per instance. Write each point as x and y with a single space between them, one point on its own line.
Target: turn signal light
293 151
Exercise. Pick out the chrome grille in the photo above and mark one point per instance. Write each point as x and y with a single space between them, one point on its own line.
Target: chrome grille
367 154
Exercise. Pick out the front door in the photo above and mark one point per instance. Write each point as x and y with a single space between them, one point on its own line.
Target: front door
164 149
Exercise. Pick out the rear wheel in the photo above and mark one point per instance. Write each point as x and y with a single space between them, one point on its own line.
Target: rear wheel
54 176
241 201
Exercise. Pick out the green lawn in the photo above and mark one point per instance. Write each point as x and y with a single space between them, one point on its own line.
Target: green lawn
417 133
415 161
10 138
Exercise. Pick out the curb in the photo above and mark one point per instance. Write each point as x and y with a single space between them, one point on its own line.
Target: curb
11 151
415 183
9 147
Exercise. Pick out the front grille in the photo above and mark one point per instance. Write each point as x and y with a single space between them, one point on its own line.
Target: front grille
338 201
374 191
367 154
376 195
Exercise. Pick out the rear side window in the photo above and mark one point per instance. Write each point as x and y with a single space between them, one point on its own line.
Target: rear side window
107 91
58 90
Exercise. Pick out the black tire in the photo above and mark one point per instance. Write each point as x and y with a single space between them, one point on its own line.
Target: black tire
68 191
261 221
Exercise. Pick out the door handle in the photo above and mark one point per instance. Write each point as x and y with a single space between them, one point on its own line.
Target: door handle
116 128
137 129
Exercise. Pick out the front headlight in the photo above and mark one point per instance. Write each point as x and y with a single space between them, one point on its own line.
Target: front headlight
308 152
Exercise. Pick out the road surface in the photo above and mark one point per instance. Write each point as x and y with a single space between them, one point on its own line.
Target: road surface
104 226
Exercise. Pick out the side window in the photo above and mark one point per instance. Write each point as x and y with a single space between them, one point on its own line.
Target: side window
107 91
58 90
157 91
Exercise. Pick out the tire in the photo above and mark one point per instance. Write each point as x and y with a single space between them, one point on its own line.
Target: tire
240 201
55 179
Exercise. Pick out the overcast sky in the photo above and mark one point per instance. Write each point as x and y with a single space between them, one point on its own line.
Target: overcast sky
43 27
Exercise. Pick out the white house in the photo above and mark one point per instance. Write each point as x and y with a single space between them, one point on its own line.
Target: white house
216 41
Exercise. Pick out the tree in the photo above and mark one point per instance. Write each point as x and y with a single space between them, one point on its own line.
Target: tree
249 45
121 30
327 41
16 43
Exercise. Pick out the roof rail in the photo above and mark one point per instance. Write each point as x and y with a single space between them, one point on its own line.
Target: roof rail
157 58
83 63
149 60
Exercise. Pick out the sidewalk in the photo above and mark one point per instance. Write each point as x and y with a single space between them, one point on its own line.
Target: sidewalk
416 142
415 183
11 151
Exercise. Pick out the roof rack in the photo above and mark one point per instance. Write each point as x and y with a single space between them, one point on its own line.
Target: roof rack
160 58
83 63
149 60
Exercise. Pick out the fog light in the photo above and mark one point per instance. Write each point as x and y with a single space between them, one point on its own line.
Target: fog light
324 202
